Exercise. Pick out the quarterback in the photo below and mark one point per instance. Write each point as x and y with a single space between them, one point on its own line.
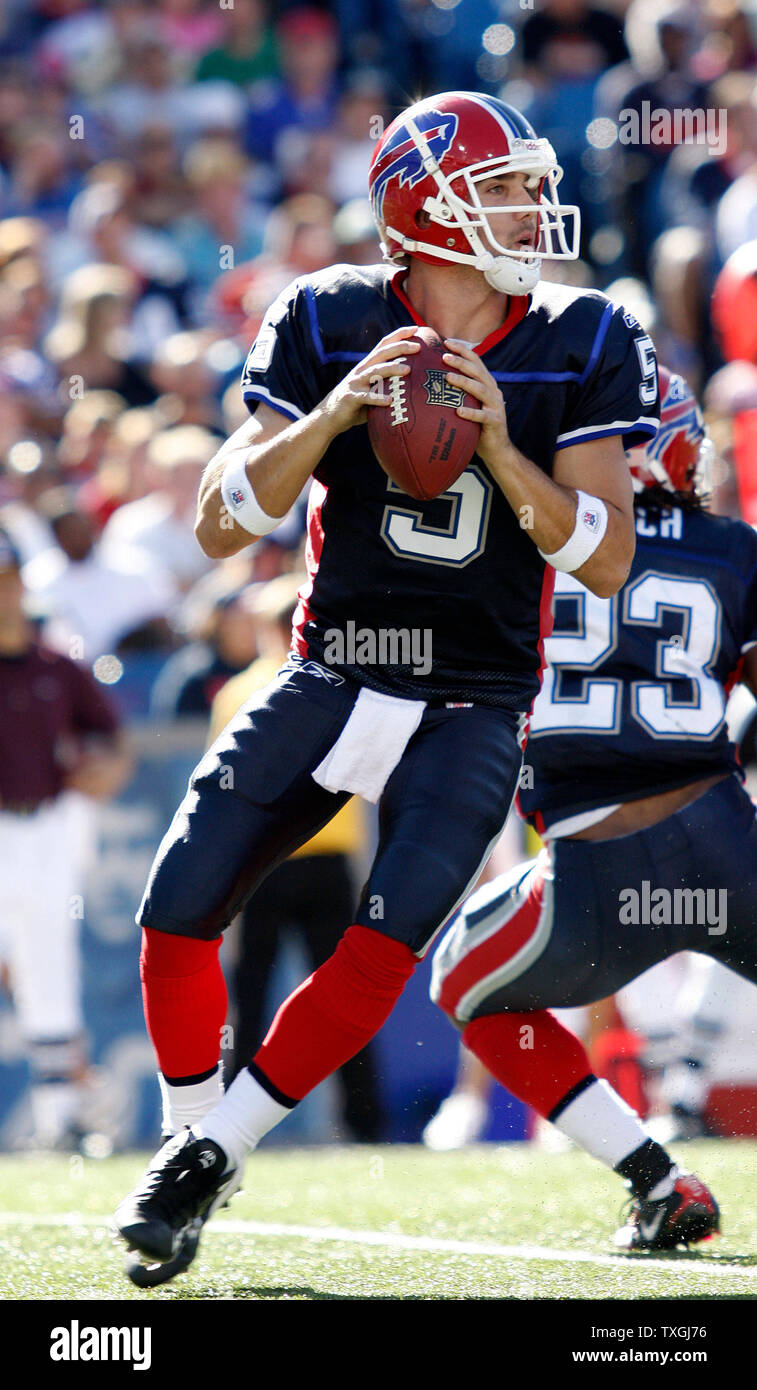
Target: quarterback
637 791
465 197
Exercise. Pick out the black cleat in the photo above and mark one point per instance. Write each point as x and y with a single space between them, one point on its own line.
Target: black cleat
161 1220
689 1214
149 1275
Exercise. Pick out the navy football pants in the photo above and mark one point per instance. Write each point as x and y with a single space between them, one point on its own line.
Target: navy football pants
586 917
252 800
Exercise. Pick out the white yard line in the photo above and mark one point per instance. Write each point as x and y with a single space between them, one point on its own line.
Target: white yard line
393 1240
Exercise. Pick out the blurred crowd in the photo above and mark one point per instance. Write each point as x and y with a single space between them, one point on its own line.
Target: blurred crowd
167 167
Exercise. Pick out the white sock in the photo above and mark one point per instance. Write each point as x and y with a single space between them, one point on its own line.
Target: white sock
187 1105
245 1114
600 1122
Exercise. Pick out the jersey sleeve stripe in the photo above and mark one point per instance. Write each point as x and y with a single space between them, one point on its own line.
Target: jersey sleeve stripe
646 424
599 338
315 333
259 393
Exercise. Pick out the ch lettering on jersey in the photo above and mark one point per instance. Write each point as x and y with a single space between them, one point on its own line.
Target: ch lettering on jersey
667 525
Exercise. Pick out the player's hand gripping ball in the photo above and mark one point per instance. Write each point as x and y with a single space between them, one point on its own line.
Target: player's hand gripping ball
419 439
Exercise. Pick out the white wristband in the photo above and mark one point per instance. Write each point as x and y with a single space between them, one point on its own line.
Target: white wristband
588 533
240 500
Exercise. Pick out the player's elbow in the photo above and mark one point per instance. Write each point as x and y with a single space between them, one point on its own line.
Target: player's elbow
208 539
216 541
606 585
609 571
610 566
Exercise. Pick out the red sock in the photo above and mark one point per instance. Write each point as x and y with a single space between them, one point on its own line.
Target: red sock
184 997
533 1055
335 1012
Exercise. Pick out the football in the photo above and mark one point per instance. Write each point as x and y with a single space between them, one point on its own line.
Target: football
420 440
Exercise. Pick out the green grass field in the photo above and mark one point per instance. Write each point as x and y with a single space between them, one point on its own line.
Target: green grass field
398 1222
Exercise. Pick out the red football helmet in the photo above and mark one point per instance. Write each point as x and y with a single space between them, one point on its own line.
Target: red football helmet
679 458
431 158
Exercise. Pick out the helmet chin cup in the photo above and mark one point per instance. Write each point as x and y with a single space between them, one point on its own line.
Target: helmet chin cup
511 276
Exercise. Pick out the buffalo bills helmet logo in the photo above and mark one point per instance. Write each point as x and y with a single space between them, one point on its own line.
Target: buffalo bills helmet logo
401 159
680 417
686 425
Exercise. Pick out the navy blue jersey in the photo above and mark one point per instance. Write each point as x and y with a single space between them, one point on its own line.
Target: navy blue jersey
460 569
634 695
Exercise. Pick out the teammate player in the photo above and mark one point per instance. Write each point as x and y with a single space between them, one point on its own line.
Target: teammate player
465 197
651 841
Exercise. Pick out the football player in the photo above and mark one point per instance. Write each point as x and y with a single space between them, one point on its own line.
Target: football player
651 841
465 197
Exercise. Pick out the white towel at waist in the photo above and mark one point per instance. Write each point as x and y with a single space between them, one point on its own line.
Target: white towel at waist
370 744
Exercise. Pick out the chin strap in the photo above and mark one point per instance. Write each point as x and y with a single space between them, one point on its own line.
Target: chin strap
506 274
513 277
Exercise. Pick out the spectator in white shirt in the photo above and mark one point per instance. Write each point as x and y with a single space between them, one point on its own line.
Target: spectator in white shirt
159 528
90 603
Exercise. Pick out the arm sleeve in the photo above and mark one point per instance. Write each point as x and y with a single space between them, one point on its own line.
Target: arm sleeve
617 391
282 366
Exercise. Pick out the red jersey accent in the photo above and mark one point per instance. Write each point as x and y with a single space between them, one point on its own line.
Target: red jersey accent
313 548
546 623
734 678
516 310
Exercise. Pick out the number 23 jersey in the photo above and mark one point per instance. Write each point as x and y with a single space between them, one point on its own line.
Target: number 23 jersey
460 574
634 695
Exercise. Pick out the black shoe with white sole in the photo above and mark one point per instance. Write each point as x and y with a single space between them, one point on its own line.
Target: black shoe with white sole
161 1220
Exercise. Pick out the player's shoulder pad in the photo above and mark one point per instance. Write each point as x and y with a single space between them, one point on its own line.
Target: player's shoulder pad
570 302
595 331
347 308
